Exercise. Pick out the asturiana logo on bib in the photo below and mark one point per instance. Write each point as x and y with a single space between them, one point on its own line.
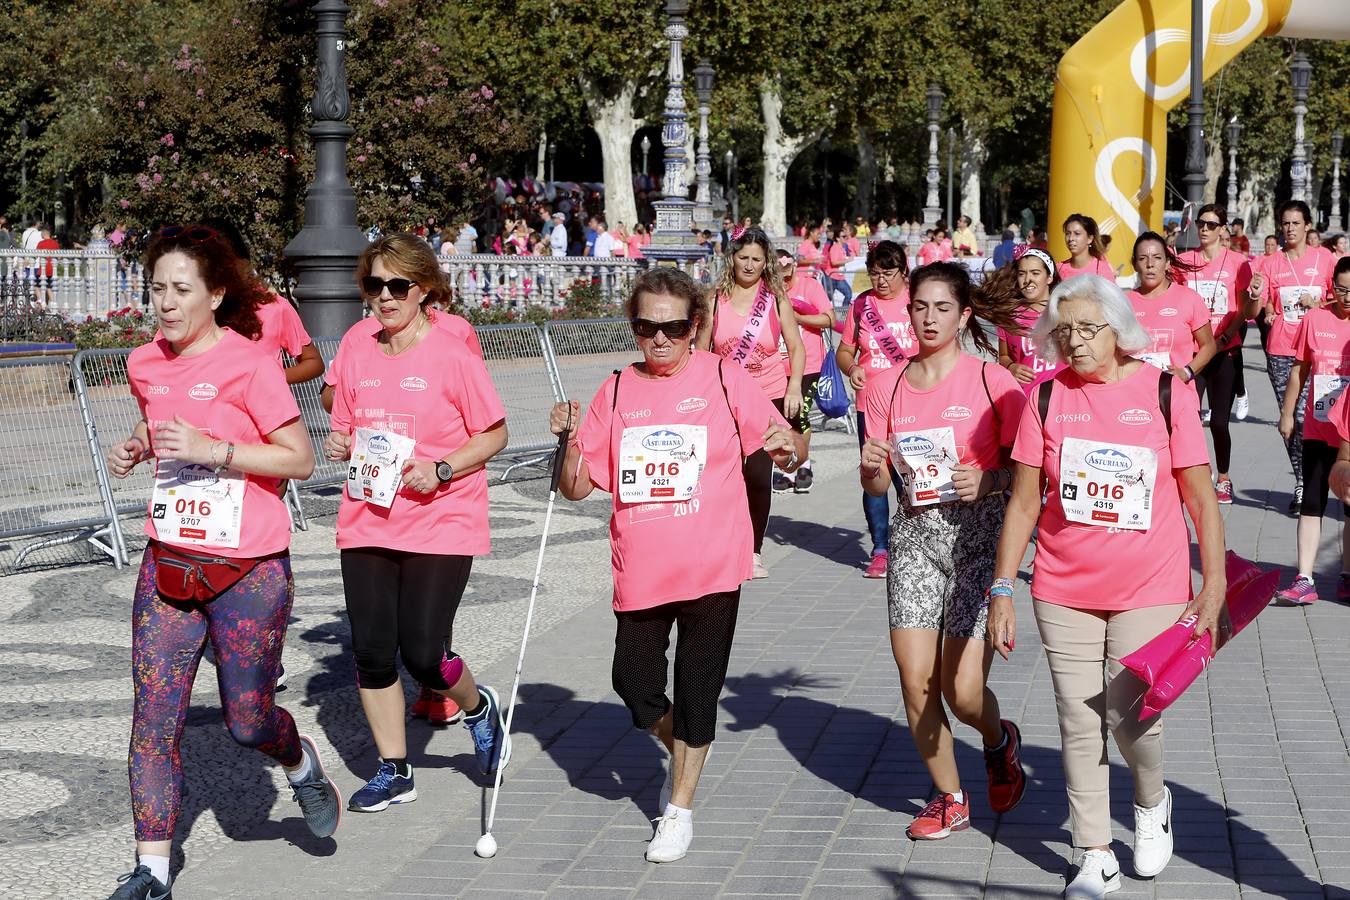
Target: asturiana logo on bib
956 413
197 474
413 383
691 404
664 439
203 391
1135 417
379 444
914 445
1108 460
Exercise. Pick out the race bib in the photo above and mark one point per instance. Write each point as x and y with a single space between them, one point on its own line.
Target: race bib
661 463
925 460
1290 304
1157 360
193 504
1107 485
1216 297
375 471
1326 388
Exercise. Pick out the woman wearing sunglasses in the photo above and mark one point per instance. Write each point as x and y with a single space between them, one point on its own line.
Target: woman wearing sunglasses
1222 278
224 430
667 436
1119 451
1175 317
946 419
751 313
416 414
877 336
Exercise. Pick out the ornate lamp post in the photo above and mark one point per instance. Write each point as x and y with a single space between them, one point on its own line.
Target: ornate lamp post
325 250
1234 134
1300 74
932 210
1189 237
672 240
951 177
703 88
825 179
552 152
1337 142
733 195
646 146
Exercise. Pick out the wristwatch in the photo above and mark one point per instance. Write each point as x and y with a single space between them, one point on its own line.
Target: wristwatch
444 471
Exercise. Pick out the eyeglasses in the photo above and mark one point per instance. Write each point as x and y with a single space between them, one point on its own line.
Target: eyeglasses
1085 330
1207 224
674 329
372 287
197 234
887 275
1341 290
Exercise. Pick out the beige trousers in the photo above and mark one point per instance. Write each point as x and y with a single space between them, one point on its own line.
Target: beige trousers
1078 644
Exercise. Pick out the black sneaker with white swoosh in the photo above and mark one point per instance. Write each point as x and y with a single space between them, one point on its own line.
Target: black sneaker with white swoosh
139 884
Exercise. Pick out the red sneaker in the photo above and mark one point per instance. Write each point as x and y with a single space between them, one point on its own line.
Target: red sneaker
1007 780
443 710
421 708
877 568
938 819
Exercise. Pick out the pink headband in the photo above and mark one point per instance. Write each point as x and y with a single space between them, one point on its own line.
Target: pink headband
1023 250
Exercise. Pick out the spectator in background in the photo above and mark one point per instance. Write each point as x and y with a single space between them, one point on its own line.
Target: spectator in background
1240 243
576 238
834 256
47 242
557 236
467 240
639 240
964 239
1003 253
1339 245
848 238
620 236
861 229
808 251
1314 238
1038 239
603 246
592 232
930 251
31 235
724 236
6 235
893 229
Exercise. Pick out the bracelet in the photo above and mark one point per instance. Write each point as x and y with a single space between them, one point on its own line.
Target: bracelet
1190 373
214 445
1004 583
229 457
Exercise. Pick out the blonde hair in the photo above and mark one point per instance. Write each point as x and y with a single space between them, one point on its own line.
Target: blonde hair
772 276
411 257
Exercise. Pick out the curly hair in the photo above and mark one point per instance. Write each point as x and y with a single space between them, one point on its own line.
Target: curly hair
222 269
668 281
407 255
772 275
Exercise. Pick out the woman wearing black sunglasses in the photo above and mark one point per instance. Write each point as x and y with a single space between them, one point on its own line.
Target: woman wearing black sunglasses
667 437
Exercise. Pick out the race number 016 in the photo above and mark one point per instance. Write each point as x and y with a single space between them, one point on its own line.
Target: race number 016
183 506
1105 490
662 469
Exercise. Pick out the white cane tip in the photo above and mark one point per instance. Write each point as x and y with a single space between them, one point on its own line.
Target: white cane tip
486 847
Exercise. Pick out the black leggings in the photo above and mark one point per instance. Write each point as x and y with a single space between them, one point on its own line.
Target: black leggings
702 651
402 603
1318 458
1219 376
758 473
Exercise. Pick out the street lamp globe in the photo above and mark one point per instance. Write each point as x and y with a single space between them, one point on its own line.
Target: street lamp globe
1234 131
1337 143
703 82
646 144
934 96
1300 74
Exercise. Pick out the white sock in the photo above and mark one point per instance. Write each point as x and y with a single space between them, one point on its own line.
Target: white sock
959 796
1001 744
806 465
158 865
679 813
298 775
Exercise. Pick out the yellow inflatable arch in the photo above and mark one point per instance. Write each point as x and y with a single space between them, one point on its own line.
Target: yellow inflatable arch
1108 141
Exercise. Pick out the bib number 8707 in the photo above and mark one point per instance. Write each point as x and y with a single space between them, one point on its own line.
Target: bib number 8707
662 469
1105 490
192 507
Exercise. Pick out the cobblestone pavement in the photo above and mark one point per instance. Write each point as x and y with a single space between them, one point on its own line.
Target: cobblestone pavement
807 793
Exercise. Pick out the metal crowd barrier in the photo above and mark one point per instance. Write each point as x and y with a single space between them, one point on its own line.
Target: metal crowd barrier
327 473
517 358
584 352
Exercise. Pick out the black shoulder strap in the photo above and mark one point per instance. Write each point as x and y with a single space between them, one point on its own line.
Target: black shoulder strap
727 397
1165 398
984 379
1043 399
614 403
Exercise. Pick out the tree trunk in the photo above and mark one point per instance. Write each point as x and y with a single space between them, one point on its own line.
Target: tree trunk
779 151
614 124
539 172
864 201
972 164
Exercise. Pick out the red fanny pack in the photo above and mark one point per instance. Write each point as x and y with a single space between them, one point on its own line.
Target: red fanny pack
180 575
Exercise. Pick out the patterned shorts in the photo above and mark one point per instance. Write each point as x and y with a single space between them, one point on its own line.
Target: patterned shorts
941 562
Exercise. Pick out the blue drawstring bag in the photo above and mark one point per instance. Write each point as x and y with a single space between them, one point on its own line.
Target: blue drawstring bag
831 391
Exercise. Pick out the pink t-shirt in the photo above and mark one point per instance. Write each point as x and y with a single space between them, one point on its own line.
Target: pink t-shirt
808 256
895 313
959 401
1323 341
237 392
1022 350
931 252
1311 272
1097 567
763 364
807 292
1171 321
457 326
282 328
439 394
1100 267
1222 285
667 552
836 257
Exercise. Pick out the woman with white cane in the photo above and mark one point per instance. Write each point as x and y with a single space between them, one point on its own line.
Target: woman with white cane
667 437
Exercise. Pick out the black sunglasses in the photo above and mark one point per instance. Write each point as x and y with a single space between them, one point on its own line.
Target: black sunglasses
1207 224
674 329
372 287
198 234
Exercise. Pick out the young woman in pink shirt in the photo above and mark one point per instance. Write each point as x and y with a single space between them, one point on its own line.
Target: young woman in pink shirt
946 420
751 313
667 437
223 430
1175 317
1322 348
1118 446
1030 280
1087 252
417 415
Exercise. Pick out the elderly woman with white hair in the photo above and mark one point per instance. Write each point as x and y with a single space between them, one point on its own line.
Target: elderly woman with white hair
1121 451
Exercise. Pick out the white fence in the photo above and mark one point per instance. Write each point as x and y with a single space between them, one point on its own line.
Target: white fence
74 283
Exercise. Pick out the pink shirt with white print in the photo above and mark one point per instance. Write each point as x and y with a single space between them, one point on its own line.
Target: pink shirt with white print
763 365
1171 320
1323 342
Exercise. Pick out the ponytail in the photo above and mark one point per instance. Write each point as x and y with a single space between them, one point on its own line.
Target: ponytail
996 307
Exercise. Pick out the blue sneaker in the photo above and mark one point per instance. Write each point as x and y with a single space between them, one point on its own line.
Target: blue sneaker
319 800
139 884
491 743
384 790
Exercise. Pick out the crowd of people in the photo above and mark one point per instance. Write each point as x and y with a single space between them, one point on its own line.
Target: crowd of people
1043 404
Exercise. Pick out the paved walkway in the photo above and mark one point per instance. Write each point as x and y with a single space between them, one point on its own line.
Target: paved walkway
808 790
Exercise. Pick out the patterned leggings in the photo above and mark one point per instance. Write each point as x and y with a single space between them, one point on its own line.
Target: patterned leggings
247 627
1279 368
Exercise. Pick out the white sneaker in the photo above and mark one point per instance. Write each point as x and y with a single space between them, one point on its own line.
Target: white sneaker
1204 417
1098 875
760 571
1241 407
672 840
1153 837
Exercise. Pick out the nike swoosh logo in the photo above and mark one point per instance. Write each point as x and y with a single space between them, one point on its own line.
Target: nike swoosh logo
1106 877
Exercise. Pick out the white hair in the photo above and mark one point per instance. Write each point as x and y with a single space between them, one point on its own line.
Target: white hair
1116 311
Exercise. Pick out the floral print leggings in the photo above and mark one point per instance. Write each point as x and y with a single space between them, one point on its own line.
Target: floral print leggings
247 627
